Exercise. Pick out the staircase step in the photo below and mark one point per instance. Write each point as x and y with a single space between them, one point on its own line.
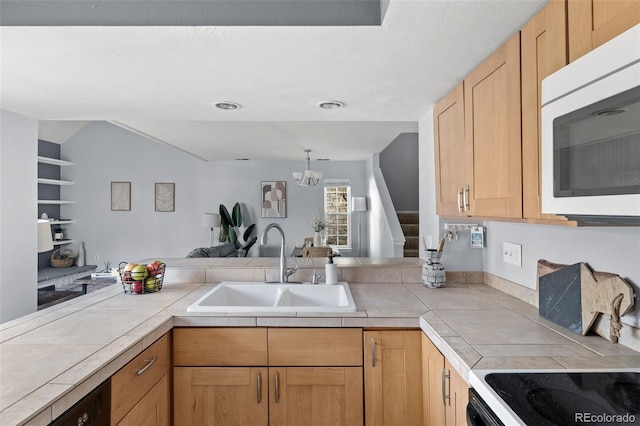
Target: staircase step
412 243
408 217
411 253
410 229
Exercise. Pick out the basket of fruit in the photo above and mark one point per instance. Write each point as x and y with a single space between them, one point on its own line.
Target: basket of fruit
140 278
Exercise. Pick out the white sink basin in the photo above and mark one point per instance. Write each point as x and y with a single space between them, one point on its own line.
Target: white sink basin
261 297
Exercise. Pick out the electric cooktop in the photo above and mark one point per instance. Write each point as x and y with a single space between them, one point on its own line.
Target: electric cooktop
568 397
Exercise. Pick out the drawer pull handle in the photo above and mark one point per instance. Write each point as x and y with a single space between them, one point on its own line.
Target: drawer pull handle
277 386
150 362
259 388
445 396
373 351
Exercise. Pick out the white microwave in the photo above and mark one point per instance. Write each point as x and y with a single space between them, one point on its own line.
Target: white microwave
591 135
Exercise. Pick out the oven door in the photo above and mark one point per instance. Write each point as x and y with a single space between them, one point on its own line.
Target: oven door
479 413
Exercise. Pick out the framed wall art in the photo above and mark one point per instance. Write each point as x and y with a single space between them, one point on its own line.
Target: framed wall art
165 197
120 196
274 198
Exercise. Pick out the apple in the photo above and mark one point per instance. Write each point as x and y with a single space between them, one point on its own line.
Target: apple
150 284
129 267
139 272
137 286
153 269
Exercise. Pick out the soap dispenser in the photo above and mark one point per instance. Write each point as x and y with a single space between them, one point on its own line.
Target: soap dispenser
331 271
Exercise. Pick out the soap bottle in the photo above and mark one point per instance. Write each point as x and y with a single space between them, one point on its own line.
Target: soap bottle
331 271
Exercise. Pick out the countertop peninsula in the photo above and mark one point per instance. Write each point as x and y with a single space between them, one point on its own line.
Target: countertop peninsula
52 358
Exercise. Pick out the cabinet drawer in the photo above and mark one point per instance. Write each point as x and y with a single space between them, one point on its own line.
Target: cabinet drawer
315 347
134 380
219 347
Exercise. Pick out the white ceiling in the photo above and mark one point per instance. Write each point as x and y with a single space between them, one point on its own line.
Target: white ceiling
161 81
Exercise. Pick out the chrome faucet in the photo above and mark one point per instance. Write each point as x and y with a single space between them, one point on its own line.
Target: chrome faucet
284 271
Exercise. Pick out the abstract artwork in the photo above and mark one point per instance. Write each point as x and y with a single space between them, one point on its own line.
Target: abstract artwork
120 196
274 199
165 197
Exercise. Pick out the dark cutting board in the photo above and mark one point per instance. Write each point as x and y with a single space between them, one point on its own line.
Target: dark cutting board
573 296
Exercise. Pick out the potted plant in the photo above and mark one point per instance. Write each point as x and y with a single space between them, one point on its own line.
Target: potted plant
230 230
319 224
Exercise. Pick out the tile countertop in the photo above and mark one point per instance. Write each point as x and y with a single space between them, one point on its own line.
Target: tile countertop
52 358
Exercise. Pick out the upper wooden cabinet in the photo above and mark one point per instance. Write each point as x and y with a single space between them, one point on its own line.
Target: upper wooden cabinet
493 126
543 51
453 156
594 22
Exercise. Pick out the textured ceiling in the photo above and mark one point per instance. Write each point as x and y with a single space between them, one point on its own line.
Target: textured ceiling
161 81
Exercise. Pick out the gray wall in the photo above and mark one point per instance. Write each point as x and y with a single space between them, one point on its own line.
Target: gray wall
609 249
18 215
103 153
399 165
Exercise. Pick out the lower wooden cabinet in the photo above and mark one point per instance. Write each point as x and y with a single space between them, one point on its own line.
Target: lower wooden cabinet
393 378
140 389
282 376
446 394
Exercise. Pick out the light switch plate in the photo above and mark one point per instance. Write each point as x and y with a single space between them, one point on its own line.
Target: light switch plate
512 253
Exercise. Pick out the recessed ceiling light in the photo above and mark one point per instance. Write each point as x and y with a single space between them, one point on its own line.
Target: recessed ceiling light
330 104
242 159
322 159
228 106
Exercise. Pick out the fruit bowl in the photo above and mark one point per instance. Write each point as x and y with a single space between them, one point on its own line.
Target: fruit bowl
140 279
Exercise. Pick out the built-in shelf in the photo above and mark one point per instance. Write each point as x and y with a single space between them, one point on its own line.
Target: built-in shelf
54 182
61 242
61 222
54 161
54 202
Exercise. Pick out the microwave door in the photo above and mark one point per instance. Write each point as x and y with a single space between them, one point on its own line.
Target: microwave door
591 148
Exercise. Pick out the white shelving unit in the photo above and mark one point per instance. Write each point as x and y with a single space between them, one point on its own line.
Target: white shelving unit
56 182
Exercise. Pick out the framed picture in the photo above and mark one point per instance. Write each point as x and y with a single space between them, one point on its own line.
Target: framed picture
274 199
165 197
120 196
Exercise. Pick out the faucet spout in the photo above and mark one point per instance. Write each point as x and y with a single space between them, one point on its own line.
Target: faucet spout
283 259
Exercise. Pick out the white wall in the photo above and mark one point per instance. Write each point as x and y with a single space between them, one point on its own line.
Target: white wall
18 215
104 153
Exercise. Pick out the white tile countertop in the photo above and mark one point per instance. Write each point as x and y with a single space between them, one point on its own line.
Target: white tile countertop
52 358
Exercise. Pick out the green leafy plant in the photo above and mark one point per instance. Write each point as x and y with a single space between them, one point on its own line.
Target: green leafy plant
230 229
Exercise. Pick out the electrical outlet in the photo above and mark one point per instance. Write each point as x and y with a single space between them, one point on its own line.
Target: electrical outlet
512 253
97 258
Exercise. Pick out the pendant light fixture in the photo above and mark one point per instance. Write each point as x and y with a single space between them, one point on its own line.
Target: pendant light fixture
308 177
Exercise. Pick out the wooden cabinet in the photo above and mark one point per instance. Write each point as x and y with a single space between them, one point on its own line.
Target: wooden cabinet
594 22
477 130
445 393
262 376
493 127
543 51
453 157
393 378
140 390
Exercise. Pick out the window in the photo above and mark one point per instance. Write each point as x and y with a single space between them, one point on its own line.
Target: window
337 194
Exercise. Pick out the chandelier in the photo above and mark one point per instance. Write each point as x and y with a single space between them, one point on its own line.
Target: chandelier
308 177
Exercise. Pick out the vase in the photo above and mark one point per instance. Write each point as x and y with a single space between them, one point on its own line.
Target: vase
433 273
81 255
317 239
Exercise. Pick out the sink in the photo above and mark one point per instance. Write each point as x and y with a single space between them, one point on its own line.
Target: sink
262 297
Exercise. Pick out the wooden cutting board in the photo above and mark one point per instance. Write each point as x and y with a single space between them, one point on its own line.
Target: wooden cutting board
573 296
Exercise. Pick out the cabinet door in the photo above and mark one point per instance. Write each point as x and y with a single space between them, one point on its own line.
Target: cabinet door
432 370
543 52
393 378
456 396
153 409
594 22
453 155
220 396
330 396
493 127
